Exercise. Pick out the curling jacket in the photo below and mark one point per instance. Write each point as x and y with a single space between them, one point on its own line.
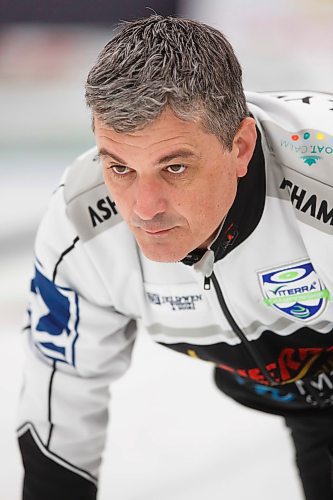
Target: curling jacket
257 304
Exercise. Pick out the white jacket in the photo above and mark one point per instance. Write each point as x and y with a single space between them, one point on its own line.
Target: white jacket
264 316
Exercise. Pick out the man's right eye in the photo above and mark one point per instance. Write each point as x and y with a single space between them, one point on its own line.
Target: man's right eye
119 169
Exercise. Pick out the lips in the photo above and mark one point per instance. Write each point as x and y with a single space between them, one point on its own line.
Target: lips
157 231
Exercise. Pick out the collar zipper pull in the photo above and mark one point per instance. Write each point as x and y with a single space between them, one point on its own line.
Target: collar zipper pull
207 283
205 266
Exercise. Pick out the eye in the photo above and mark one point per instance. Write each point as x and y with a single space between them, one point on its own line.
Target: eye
119 169
176 169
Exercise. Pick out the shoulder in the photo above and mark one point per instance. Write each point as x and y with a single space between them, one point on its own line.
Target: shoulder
298 143
303 103
298 128
75 234
89 205
308 113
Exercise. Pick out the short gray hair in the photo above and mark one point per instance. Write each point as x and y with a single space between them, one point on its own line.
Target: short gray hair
159 61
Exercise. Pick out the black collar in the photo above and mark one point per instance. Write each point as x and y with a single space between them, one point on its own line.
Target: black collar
244 214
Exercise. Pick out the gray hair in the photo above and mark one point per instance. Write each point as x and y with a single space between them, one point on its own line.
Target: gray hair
164 61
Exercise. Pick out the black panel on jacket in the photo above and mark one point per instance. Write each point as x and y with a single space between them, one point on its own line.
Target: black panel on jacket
46 480
244 214
247 209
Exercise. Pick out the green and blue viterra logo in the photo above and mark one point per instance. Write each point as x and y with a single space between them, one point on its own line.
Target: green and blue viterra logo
295 291
311 146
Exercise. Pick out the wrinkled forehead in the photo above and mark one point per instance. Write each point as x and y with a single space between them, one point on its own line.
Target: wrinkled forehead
162 140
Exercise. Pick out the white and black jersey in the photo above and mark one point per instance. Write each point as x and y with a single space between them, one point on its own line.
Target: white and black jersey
257 304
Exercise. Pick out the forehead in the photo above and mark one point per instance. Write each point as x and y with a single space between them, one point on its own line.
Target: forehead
167 130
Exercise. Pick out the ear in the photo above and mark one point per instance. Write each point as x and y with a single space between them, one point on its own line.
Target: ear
244 144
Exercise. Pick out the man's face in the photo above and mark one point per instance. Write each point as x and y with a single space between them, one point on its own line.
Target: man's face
172 182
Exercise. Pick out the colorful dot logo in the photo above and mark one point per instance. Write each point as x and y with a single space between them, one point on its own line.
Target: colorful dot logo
319 136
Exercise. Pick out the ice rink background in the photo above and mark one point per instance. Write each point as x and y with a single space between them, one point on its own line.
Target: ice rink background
173 436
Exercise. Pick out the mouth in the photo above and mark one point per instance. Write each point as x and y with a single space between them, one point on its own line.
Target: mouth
159 232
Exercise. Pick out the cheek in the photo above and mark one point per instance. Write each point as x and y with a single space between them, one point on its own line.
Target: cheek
212 204
123 205
198 211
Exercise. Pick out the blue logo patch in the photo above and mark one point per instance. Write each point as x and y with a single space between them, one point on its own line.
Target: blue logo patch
295 291
55 319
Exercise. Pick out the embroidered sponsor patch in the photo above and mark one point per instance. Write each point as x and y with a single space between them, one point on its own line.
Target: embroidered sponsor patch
294 290
183 297
55 318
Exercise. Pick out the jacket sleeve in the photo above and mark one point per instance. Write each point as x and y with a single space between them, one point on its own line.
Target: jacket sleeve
76 344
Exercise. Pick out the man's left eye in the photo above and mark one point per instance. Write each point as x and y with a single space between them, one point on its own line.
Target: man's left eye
176 169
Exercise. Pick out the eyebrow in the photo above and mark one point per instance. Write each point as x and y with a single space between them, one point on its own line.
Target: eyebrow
181 153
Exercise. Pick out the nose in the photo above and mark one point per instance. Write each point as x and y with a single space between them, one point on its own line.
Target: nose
149 198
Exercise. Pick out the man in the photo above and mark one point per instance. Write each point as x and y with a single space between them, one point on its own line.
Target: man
209 218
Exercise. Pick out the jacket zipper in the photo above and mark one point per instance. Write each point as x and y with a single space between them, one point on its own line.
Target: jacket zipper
207 282
236 329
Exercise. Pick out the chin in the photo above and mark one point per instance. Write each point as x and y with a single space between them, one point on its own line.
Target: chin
162 254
